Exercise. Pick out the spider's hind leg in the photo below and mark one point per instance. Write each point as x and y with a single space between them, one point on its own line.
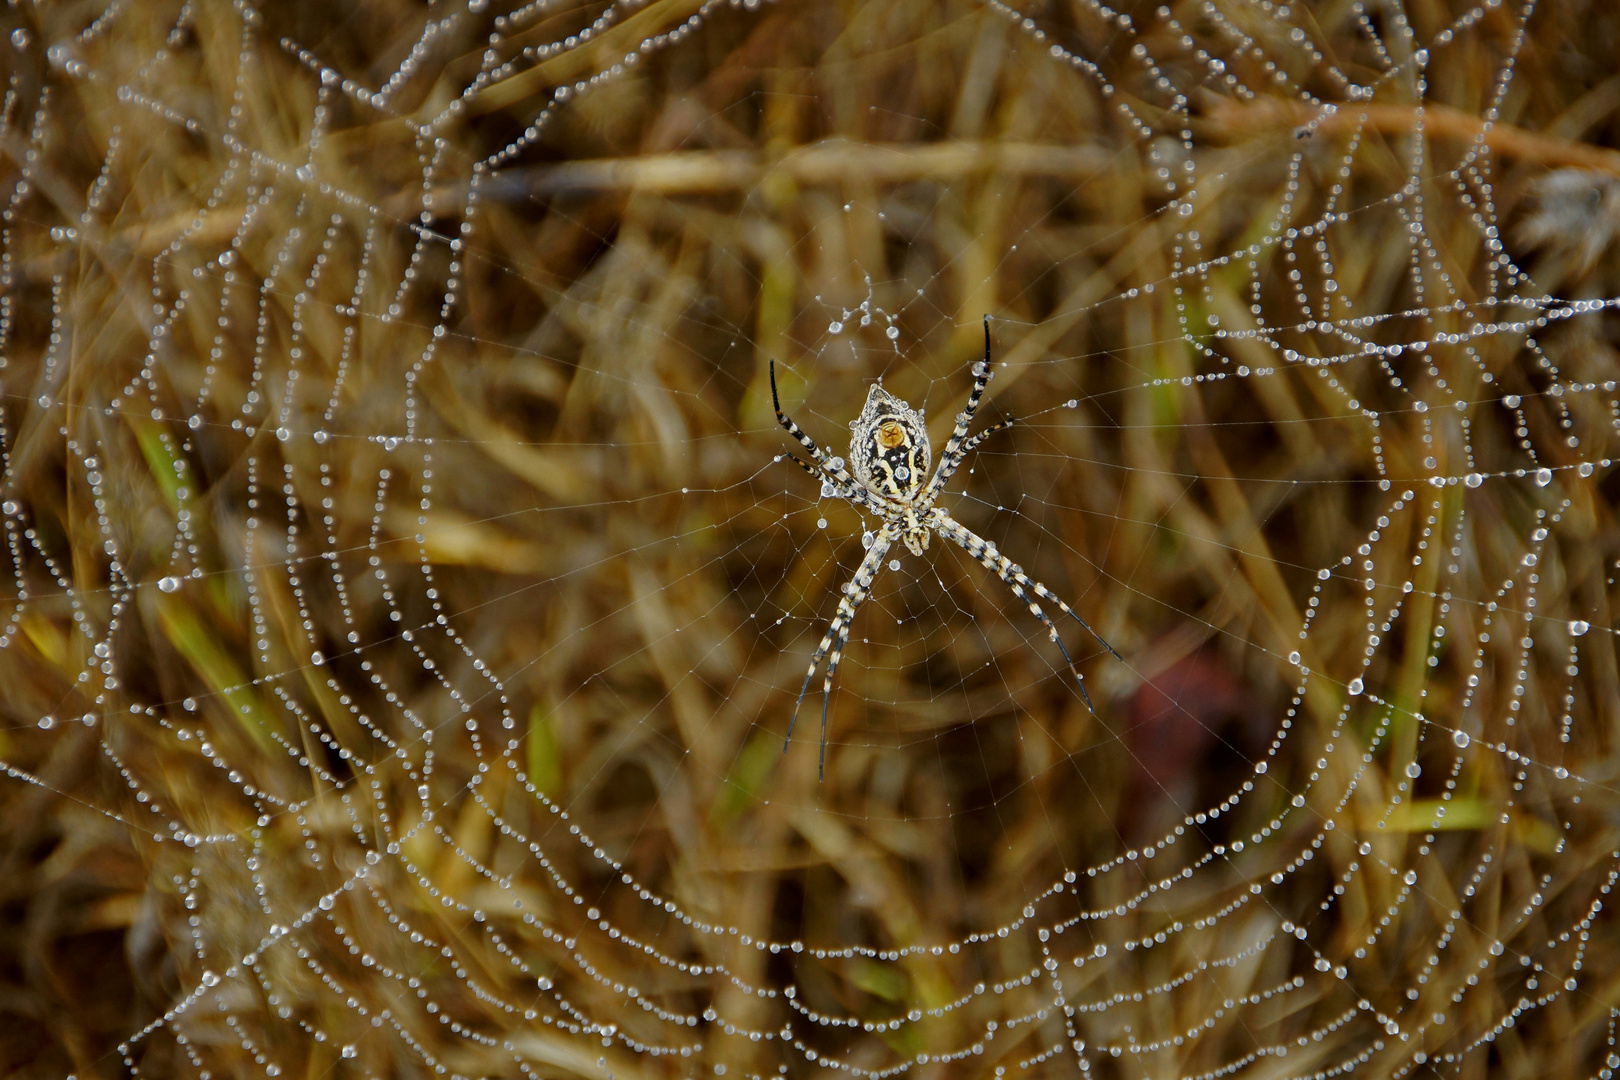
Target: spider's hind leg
1021 584
837 636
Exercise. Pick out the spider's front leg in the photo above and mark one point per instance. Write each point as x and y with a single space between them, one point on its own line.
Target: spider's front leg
832 467
855 594
955 450
1021 585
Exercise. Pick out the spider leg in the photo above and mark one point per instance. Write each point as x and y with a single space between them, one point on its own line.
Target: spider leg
948 468
1021 585
805 465
820 456
837 636
951 456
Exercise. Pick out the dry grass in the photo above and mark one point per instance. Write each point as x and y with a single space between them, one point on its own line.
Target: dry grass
585 490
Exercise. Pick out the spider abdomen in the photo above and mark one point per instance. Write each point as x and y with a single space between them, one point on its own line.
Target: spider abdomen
888 448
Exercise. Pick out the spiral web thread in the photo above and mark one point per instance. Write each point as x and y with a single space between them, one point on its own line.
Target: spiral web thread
243 484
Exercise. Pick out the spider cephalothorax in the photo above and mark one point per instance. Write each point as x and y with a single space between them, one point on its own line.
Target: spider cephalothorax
889 454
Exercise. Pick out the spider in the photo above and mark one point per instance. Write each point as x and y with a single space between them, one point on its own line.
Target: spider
889 454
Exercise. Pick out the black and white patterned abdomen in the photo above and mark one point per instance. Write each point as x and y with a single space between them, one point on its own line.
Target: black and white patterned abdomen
888 449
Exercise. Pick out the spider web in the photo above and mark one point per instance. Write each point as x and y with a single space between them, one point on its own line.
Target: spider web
403 562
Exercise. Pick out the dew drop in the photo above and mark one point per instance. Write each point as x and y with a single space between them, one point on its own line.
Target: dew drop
283 434
1293 658
1414 770
1511 401
321 437
827 489
1578 627
821 523
46 723
1543 477
1473 479
19 39
169 584
1461 739
1355 686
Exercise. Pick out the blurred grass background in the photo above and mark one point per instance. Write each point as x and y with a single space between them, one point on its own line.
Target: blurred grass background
602 517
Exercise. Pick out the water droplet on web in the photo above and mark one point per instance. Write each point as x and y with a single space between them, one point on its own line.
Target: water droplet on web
1414 770
349 1051
1473 479
1461 739
894 564
169 584
321 437
46 723
1543 477
210 979
1561 772
1578 627
1323 574
835 328
11 507
1511 401
892 333
821 523
1355 686
827 489
19 39
1294 657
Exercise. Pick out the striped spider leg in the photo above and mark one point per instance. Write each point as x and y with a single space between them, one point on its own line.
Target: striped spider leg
951 457
1021 585
888 460
829 470
837 636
